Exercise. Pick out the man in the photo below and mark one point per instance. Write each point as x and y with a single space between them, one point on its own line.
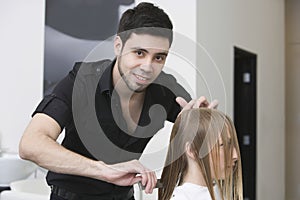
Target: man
121 93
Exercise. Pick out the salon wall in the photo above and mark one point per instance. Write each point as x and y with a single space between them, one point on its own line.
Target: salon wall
292 13
256 26
21 77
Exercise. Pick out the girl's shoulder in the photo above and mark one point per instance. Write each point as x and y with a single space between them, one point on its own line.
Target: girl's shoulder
190 191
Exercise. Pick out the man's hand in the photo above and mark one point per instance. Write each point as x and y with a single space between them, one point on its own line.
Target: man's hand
196 103
129 173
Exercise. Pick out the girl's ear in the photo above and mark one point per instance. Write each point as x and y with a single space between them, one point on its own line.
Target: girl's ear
189 151
117 45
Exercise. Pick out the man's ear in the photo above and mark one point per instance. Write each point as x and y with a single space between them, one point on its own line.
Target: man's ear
189 151
117 45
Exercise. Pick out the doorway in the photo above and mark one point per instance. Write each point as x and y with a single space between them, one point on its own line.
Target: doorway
245 116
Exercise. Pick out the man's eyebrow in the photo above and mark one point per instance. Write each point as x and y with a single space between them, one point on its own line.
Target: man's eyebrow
164 53
140 49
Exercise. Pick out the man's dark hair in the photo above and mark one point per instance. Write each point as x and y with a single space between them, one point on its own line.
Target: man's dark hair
145 18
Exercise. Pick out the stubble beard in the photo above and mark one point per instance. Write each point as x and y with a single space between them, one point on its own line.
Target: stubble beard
127 82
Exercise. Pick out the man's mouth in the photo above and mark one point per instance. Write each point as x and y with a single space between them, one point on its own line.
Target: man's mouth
140 77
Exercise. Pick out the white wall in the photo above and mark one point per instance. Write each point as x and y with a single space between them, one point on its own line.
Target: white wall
21 50
292 99
256 26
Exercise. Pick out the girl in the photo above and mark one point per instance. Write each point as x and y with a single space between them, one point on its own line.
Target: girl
203 160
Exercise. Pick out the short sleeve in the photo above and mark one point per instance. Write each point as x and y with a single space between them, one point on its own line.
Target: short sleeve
56 108
58 104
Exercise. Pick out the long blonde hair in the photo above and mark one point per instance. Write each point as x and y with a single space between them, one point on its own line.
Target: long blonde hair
202 128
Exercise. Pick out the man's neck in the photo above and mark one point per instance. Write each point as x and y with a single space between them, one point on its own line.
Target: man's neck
131 102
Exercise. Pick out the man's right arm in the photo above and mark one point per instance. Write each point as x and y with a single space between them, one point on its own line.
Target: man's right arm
39 145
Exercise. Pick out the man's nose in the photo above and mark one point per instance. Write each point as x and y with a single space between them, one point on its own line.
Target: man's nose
147 65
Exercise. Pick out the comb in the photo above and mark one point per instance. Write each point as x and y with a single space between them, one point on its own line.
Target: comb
158 185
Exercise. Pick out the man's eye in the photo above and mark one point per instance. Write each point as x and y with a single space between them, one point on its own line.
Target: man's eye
139 53
159 58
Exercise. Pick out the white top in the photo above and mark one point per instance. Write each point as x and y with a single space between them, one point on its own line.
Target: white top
190 191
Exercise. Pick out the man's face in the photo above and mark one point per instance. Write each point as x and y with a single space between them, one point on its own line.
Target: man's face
141 59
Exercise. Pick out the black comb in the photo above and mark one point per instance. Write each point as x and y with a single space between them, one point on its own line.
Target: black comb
158 185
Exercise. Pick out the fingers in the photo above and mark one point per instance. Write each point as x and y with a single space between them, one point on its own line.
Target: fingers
149 181
214 104
181 101
189 105
201 102
136 180
148 177
196 103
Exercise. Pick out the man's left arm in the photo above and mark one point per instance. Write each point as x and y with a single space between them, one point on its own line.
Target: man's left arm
183 99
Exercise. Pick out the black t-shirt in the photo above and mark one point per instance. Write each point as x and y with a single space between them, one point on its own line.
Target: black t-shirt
85 104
